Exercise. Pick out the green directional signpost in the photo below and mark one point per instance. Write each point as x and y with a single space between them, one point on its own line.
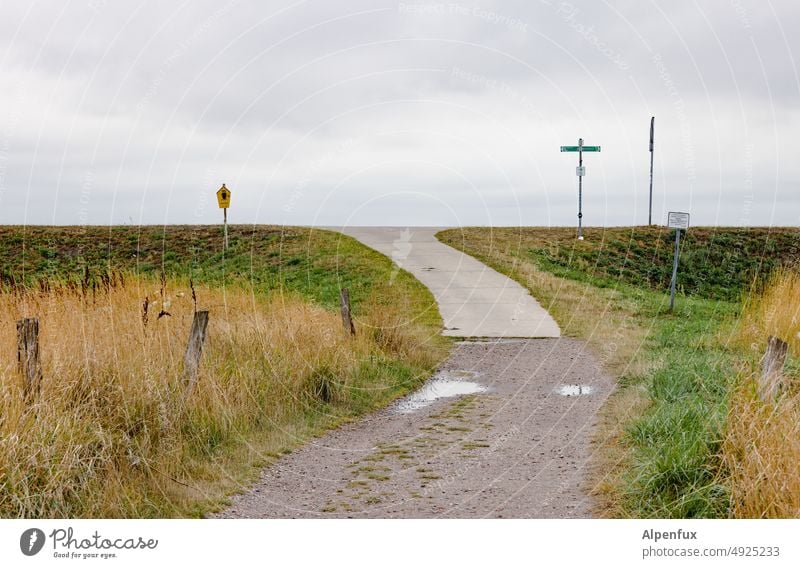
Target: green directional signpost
580 171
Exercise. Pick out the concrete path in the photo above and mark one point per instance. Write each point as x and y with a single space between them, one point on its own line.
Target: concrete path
474 300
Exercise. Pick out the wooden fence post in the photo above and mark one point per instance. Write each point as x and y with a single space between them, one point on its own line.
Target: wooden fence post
28 356
194 349
771 380
347 316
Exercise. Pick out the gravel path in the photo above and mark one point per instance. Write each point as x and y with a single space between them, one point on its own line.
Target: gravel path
517 449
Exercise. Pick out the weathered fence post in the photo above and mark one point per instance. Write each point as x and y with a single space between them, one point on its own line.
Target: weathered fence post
771 379
194 349
347 316
28 356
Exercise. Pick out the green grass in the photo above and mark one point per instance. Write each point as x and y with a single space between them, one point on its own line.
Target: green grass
676 442
716 263
658 444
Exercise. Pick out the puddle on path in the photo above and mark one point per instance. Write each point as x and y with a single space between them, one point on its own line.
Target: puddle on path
574 390
491 341
444 384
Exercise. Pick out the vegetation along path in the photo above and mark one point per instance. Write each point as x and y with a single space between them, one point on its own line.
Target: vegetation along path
502 430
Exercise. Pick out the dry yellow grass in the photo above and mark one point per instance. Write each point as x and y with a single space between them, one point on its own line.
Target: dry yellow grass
762 444
112 433
761 453
775 311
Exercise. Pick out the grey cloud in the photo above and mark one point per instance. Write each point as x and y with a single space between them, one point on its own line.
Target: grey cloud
395 112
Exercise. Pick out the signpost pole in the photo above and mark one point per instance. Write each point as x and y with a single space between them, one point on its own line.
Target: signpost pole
680 222
225 230
580 149
224 201
674 271
652 139
580 190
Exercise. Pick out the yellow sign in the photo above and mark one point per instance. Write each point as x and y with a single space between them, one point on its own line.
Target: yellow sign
224 197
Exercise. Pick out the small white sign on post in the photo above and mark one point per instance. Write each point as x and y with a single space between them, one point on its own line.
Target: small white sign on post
580 171
680 222
677 220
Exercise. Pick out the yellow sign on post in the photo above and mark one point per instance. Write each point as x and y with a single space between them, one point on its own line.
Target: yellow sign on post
224 197
224 200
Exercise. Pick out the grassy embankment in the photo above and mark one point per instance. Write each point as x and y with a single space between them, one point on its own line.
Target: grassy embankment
659 447
113 431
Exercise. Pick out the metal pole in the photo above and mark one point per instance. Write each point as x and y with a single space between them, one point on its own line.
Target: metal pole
674 270
580 191
225 242
652 138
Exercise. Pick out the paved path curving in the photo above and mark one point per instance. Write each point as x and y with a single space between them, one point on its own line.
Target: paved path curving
474 300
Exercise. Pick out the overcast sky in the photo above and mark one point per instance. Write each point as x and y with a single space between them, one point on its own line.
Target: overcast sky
398 113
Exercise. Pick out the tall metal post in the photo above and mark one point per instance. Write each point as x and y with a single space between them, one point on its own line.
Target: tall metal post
652 139
580 190
674 271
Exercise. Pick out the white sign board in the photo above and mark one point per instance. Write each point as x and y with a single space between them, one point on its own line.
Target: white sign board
580 171
678 220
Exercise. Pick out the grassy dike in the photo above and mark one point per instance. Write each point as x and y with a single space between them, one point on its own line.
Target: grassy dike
313 263
113 432
657 450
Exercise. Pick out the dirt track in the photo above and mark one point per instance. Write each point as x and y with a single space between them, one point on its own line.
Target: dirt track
518 450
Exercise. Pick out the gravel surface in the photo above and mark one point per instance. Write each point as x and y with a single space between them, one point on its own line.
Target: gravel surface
519 449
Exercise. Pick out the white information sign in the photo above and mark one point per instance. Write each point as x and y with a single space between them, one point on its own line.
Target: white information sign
677 220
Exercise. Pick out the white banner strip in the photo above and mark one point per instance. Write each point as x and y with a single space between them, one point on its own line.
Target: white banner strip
408 543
